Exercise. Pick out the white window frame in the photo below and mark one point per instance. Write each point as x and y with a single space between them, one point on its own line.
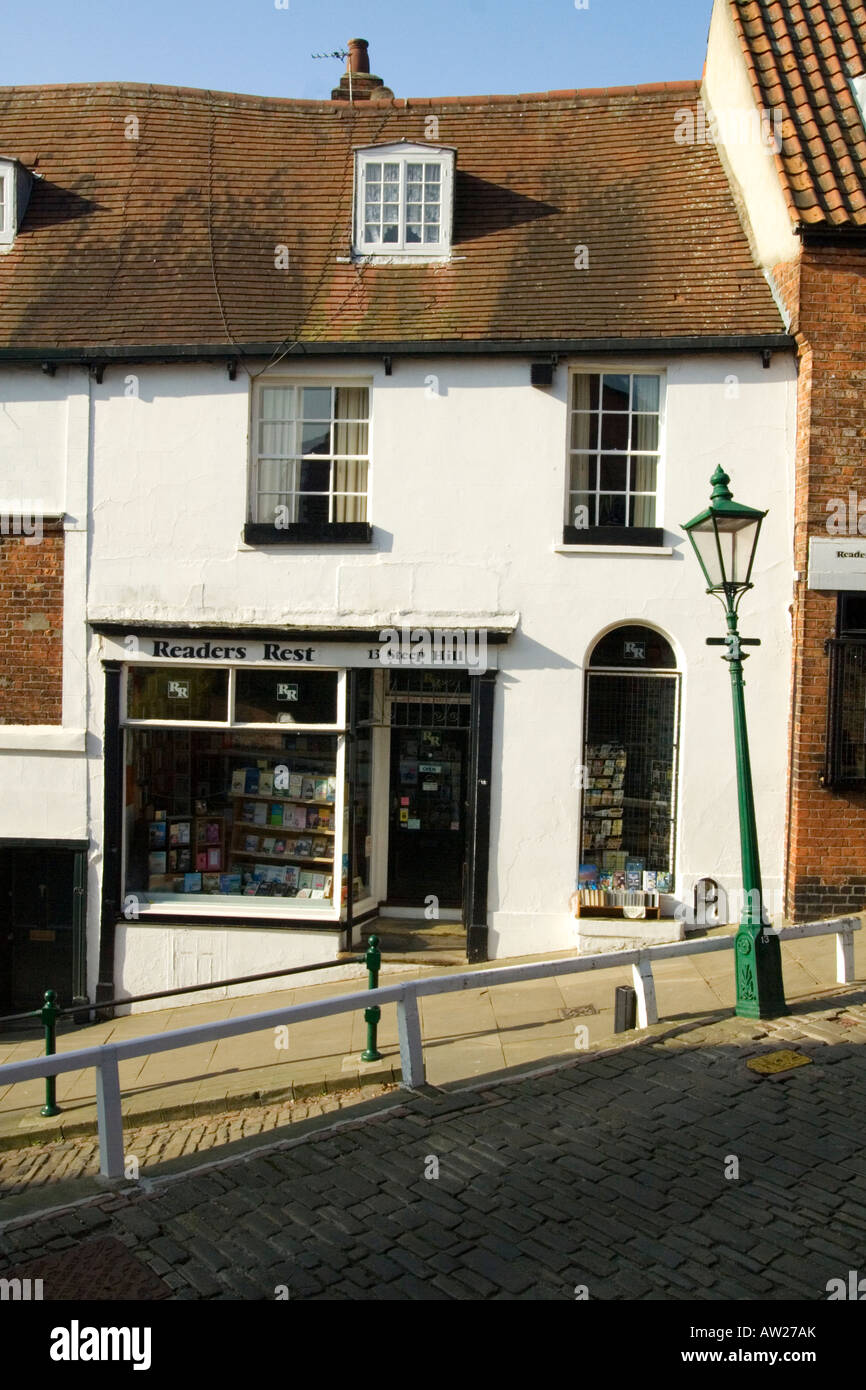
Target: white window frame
403 153
7 195
298 383
616 369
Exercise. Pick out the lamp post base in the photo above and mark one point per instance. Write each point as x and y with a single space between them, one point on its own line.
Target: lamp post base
760 990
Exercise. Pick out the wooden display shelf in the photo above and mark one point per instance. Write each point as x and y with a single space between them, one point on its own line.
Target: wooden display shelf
278 858
291 829
279 796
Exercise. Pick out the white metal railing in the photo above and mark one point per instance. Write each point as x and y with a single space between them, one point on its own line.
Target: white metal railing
106 1057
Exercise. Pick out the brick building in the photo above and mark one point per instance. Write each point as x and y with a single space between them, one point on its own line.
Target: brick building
799 69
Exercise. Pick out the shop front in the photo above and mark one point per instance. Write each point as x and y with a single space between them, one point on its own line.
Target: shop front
297 783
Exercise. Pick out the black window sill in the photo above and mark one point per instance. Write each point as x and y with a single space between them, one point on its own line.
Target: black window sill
613 535
308 533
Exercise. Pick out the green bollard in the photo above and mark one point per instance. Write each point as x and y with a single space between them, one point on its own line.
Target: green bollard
49 1018
372 960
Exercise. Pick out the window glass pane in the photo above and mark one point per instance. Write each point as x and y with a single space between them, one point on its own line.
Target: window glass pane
313 509
374 171
614 473
352 403
642 511
316 439
645 432
584 431
266 508
315 476
273 475
413 212
373 193
431 234
392 173
177 692
582 510
371 233
583 474
350 475
413 172
431 214
432 173
317 402
615 392
275 438
585 391
413 232
643 474
611 509
614 431
413 192
646 393
277 403
350 438
390 232
286 696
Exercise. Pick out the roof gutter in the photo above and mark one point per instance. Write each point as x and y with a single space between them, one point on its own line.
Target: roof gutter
100 356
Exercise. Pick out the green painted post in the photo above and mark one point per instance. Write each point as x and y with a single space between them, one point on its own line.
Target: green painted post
725 540
372 960
49 1019
760 991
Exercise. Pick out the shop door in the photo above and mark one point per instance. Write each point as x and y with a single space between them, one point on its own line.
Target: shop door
36 936
427 819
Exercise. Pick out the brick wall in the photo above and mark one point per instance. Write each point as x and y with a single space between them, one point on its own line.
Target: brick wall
31 627
826 870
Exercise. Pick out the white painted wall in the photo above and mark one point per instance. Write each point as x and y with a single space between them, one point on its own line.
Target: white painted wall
750 166
468 485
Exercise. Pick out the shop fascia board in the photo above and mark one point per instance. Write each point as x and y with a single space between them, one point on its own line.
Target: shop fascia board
41 738
497 626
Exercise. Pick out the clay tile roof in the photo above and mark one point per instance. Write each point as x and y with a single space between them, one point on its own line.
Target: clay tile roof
171 238
822 162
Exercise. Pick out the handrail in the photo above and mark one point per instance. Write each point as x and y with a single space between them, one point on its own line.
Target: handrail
106 1058
86 1008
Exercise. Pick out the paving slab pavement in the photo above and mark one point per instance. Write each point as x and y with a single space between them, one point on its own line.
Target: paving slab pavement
465 1035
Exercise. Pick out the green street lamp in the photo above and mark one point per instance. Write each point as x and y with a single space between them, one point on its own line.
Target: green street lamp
725 538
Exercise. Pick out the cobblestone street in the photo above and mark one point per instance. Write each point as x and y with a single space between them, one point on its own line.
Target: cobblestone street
666 1169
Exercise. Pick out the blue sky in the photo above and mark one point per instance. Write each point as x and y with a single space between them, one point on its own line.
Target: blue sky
419 47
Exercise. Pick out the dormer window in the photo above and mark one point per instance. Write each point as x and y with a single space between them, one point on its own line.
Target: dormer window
403 201
15 185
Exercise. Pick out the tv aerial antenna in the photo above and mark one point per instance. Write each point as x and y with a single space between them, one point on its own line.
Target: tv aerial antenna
338 53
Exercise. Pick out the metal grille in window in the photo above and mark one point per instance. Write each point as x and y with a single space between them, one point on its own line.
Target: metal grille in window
429 714
428 683
846 713
630 777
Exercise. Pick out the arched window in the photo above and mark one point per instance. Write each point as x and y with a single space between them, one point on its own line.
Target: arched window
631 736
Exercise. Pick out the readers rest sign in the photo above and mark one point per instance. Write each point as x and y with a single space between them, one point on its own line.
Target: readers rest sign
460 648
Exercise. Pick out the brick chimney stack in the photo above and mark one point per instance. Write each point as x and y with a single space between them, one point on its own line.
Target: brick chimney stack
357 82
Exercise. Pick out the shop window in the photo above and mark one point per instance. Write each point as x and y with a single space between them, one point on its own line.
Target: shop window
267 697
234 812
614 458
310 464
165 693
846 705
630 762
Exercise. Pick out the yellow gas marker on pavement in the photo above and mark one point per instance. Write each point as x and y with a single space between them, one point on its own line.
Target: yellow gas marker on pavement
772 1062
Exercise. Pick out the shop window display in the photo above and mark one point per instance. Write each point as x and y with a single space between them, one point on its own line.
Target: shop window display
232 812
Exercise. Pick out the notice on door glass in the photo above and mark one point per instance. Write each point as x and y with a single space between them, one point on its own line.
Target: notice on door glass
414 824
